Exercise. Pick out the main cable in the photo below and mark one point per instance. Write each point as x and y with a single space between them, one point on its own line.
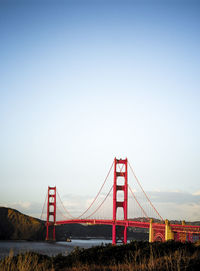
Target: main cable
43 206
106 195
101 203
138 202
144 192
98 192
64 207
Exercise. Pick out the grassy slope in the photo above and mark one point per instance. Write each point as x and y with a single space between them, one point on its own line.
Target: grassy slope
137 256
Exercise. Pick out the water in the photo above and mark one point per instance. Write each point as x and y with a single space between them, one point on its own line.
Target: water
47 248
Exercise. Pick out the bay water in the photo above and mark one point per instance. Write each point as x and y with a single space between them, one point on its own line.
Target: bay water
47 248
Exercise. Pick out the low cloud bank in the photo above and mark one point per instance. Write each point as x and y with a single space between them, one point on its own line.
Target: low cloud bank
170 204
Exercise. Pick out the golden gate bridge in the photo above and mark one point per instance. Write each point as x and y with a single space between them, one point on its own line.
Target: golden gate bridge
118 198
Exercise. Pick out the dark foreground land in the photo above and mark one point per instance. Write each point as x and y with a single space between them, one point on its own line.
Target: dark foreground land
134 256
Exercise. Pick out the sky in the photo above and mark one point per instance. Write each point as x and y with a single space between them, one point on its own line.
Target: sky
82 82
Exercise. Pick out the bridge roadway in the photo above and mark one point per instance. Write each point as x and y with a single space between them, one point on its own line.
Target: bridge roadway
128 223
131 223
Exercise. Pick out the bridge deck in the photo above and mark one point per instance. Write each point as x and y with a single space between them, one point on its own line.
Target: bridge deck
131 223
128 223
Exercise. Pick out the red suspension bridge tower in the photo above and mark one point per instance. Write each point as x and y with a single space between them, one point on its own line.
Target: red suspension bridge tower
122 186
51 213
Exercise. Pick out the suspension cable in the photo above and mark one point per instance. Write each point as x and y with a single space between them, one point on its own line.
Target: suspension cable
97 193
138 202
106 195
108 192
144 192
61 213
43 206
101 203
64 207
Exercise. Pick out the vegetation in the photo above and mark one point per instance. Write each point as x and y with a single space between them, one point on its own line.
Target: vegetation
137 256
26 262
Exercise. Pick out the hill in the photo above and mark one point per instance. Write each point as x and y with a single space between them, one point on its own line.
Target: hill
76 231
17 226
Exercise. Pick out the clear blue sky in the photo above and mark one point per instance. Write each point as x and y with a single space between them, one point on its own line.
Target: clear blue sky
84 81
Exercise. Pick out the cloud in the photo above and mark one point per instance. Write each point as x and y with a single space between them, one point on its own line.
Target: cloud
197 193
20 205
27 207
175 211
74 204
178 197
177 205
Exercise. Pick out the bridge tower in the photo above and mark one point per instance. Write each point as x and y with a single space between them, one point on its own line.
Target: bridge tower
120 173
51 214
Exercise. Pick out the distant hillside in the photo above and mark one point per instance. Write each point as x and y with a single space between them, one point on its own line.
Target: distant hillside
17 226
96 231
